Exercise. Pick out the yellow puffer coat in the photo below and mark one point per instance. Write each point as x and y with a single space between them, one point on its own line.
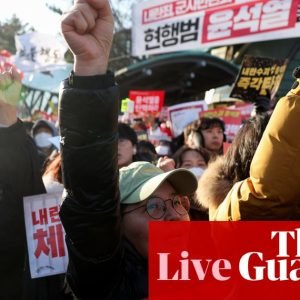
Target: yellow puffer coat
272 192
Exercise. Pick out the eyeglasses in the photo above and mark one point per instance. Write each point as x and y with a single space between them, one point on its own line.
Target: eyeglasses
156 207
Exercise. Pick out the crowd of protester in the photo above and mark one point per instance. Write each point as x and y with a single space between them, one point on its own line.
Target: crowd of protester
115 180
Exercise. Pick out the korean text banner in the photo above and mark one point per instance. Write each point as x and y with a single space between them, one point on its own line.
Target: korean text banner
147 101
39 51
164 25
259 77
224 260
45 235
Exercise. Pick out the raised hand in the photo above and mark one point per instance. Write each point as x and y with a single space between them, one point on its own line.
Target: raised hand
88 30
10 89
166 164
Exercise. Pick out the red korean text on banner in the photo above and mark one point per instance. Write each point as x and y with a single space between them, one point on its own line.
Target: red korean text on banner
45 235
224 260
147 101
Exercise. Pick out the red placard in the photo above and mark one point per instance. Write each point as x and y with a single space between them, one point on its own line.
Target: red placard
147 101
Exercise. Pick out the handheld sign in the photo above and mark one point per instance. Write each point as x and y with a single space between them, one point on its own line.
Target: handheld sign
45 235
259 77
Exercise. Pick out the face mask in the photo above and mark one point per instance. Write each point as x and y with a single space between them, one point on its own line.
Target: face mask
197 171
42 140
162 150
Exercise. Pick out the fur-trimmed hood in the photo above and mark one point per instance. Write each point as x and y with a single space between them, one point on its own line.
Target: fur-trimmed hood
212 186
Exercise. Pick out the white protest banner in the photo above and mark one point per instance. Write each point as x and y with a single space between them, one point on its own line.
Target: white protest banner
174 25
45 235
183 114
37 51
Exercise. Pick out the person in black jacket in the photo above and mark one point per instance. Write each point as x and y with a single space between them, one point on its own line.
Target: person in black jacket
20 176
107 240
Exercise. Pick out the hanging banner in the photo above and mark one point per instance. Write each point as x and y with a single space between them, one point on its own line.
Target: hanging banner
164 26
36 51
259 77
183 114
47 251
147 101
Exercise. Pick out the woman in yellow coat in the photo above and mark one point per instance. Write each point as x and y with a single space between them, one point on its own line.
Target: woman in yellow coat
272 190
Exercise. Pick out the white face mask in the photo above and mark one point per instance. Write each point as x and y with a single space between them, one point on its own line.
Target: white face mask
42 140
197 171
162 150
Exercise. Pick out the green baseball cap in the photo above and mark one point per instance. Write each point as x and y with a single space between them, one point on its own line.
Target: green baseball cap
140 180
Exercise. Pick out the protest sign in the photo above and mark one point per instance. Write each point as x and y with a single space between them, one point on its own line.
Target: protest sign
258 77
161 26
45 235
183 114
127 105
245 108
147 101
38 51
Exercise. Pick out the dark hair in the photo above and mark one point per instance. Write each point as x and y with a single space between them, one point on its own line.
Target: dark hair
145 151
54 167
126 132
193 126
143 146
180 152
239 156
207 123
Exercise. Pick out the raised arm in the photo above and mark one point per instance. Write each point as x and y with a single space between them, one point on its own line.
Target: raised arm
88 123
88 30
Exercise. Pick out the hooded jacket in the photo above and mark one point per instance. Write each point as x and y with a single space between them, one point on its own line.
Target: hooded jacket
101 264
272 191
44 123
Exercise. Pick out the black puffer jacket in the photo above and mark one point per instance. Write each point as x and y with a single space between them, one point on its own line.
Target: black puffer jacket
101 264
19 176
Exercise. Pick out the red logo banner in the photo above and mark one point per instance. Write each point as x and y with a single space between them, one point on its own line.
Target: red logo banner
224 260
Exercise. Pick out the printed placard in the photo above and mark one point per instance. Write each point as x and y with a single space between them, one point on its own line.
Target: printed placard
183 114
258 77
147 101
45 235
